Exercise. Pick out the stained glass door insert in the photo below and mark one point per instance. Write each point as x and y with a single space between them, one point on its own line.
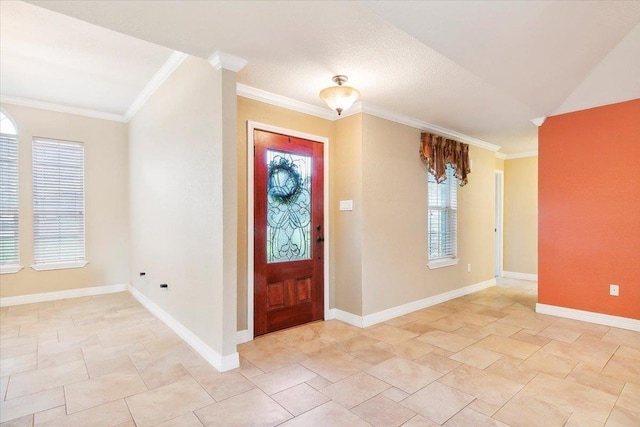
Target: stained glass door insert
288 207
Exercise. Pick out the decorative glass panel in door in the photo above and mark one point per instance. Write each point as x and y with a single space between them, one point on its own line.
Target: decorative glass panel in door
288 206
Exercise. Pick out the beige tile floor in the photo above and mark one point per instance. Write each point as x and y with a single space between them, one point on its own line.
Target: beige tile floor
486 359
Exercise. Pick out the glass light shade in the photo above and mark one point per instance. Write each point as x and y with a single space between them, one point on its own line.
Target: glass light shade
339 98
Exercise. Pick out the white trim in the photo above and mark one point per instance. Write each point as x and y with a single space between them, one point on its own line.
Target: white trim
24 102
59 265
538 121
251 126
346 317
224 60
501 230
242 336
501 156
521 276
589 316
400 310
358 107
284 102
221 363
442 262
10 269
70 293
426 126
524 154
172 63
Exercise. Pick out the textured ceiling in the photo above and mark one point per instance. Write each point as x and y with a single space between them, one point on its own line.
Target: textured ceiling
480 68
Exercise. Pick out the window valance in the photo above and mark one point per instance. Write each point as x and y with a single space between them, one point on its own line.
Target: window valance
438 152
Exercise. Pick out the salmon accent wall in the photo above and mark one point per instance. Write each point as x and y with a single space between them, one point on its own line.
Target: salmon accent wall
589 209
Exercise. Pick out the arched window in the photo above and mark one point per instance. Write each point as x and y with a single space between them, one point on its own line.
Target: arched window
9 212
7 125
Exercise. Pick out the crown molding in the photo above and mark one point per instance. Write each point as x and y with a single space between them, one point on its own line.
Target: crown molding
521 155
426 126
359 107
171 64
284 102
501 156
538 121
229 62
25 102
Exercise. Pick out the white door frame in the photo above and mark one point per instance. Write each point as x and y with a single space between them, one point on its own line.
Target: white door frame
251 127
499 223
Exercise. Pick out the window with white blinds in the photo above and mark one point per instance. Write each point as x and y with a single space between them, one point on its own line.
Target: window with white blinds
58 202
443 217
9 212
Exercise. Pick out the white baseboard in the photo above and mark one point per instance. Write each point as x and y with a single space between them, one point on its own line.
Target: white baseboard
521 276
384 315
346 317
589 316
70 293
243 336
221 363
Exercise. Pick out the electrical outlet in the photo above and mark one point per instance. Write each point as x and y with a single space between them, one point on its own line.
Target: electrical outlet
614 290
468 268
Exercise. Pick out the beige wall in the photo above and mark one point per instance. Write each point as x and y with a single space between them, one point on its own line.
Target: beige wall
394 228
250 110
182 156
348 225
499 164
521 215
106 201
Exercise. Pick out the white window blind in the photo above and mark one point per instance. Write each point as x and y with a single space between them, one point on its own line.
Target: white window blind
58 201
9 214
443 217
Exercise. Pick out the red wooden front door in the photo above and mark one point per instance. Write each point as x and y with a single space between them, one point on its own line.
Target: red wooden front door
289 231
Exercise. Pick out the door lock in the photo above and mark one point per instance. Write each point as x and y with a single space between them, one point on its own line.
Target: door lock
320 239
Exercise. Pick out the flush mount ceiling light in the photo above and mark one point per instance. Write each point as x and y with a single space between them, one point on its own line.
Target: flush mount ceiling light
339 98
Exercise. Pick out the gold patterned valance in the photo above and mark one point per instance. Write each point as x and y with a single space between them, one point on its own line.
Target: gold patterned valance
438 152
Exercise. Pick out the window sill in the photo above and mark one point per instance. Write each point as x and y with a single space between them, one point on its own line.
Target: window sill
442 262
59 265
10 269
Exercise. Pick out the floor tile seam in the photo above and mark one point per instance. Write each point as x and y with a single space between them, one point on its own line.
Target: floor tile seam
66 407
445 385
533 397
200 419
615 403
202 386
46 389
129 410
522 387
102 403
264 373
301 413
192 410
363 372
542 349
373 397
353 375
4 397
391 400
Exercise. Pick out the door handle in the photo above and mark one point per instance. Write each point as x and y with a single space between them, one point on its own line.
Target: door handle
320 239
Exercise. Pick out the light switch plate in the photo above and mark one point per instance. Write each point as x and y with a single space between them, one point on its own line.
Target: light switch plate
346 205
